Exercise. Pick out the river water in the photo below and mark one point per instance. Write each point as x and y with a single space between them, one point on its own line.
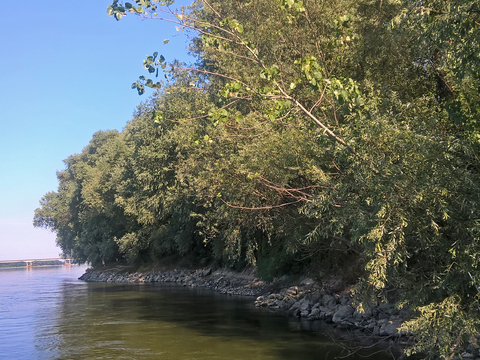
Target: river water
46 313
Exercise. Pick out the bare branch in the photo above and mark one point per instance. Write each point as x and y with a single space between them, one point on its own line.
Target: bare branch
260 208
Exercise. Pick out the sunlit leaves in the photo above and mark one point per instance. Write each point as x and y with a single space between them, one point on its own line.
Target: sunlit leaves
270 73
232 24
117 10
398 187
152 65
312 71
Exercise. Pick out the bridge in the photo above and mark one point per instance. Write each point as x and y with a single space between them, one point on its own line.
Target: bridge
29 263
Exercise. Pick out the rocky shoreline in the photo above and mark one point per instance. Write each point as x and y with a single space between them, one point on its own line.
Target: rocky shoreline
306 300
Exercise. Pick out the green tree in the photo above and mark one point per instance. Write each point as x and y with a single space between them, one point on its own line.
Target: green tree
306 133
82 212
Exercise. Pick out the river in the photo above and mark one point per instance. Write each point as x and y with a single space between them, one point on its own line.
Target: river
46 313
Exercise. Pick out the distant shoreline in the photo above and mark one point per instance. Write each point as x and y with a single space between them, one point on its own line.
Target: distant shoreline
19 265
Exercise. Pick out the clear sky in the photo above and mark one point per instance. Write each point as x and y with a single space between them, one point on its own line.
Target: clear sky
66 70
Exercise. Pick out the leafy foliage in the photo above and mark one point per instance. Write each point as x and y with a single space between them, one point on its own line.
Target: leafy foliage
306 133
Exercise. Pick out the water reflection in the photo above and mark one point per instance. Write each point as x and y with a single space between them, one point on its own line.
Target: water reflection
98 321
46 313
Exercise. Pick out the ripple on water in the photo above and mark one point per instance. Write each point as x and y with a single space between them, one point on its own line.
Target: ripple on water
48 314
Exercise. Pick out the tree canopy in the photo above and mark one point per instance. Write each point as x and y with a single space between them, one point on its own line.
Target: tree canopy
307 136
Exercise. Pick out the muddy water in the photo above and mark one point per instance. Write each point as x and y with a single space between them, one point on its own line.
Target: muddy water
46 313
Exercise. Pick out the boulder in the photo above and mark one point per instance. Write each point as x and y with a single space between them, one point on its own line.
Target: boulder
305 308
328 316
314 314
305 305
390 328
296 305
275 297
291 292
272 303
385 307
260 301
329 301
307 282
342 313
382 316
358 316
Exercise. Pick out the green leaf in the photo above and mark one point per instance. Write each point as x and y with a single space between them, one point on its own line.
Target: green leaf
454 112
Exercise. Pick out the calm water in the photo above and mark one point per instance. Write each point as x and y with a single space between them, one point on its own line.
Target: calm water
46 313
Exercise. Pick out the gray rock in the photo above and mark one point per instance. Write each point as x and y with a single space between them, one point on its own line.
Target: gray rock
305 305
347 323
275 297
349 320
382 316
382 321
384 307
358 316
328 317
304 313
289 303
296 305
390 328
344 300
307 282
314 314
283 304
368 314
292 291
343 312
272 303
329 301
405 312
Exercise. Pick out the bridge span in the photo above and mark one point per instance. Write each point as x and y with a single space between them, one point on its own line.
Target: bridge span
29 263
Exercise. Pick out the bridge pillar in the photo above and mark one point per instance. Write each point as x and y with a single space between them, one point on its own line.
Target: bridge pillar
28 264
68 262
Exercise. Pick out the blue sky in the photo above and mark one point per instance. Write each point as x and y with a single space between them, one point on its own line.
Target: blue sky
65 72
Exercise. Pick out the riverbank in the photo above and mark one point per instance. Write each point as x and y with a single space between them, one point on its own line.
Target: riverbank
306 300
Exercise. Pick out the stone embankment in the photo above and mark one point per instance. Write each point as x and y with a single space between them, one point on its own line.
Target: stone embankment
304 302
307 300
222 281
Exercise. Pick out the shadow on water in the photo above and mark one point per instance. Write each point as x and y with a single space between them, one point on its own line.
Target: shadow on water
170 321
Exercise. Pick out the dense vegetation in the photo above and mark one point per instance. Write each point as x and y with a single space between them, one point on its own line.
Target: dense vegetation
311 135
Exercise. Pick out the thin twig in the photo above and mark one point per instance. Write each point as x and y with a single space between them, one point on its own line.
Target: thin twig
260 208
